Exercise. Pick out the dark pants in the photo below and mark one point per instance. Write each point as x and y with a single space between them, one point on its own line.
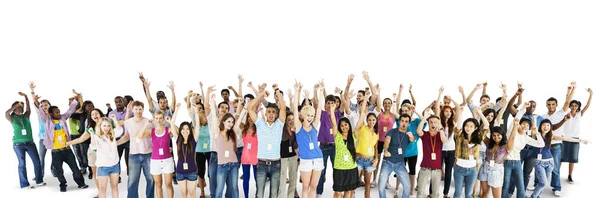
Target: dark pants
328 152
28 148
124 148
60 156
80 151
448 162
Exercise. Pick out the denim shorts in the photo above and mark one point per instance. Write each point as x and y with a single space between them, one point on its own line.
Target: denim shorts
193 176
106 171
365 164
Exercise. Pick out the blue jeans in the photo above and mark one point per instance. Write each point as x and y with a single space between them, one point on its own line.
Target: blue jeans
42 153
399 168
271 170
513 172
137 164
246 183
556 154
80 151
464 176
31 150
528 156
227 173
212 175
542 175
328 152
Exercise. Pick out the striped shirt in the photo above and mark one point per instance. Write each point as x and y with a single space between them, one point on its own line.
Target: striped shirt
269 139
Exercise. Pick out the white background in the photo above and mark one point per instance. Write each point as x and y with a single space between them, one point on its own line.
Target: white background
98 47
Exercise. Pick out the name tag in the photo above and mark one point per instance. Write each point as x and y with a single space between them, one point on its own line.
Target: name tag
205 145
528 132
290 149
24 132
160 151
311 146
137 140
433 157
471 157
346 157
385 129
539 156
330 131
249 146
60 138
370 150
185 166
492 163
269 146
399 151
227 154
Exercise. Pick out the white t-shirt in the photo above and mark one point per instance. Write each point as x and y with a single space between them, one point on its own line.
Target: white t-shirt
520 141
138 146
450 145
571 126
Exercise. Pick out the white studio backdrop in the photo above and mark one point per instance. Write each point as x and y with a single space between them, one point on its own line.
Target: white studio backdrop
98 48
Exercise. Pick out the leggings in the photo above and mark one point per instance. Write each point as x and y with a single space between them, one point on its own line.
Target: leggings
246 184
412 163
201 160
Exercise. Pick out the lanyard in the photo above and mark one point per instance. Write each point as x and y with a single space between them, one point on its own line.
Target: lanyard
494 152
184 153
433 142
308 132
400 142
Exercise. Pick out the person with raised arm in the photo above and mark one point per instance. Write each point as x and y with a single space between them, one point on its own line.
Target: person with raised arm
396 143
345 172
18 116
186 172
103 139
431 163
45 104
123 112
55 139
570 150
366 146
249 140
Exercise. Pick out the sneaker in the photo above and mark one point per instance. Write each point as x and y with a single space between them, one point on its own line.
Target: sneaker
41 184
242 176
174 181
570 180
28 187
84 186
119 180
63 189
557 193
530 188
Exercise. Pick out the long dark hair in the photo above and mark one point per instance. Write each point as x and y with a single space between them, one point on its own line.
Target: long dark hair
350 145
450 124
190 140
230 133
249 126
491 141
549 135
90 122
376 120
475 137
486 112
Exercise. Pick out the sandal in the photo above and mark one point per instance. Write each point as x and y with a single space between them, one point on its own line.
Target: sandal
361 183
373 184
388 186
395 194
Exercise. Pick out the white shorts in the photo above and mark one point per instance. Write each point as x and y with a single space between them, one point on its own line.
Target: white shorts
165 166
311 165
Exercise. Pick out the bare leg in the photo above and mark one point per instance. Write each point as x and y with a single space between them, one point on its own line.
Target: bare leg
367 185
314 181
103 181
169 184
485 189
191 188
158 185
183 188
305 177
114 185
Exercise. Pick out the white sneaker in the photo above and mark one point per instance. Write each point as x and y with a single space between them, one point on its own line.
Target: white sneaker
531 188
557 193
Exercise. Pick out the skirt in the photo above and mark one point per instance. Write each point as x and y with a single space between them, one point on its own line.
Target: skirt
345 180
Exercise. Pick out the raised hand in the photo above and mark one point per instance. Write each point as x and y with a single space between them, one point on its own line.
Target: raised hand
322 83
485 84
230 87
240 78
350 78
366 75
211 88
31 86
171 85
460 89
441 89
201 85
589 90
108 105
338 90
22 94
130 105
275 86
262 87
250 84
351 94
141 76
113 116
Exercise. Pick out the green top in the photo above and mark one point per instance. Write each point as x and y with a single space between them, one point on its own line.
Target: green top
341 150
21 129
74 126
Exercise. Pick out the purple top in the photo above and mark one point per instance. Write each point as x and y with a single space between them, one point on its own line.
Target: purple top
325 133
160 142
49 124
499 154
187 156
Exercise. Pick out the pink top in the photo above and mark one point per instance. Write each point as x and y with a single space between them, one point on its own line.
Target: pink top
250 152
384 125
225 150
160 145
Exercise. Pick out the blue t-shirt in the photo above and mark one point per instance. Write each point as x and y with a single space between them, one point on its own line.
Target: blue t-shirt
398 140
304 138
412 149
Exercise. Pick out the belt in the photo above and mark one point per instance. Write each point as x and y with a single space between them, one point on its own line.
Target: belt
327 143
61 149
268 162
557 144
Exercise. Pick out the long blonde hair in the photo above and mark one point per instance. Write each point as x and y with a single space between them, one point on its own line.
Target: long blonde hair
100 132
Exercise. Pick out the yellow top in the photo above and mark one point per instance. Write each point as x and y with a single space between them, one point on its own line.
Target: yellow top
59 135
366 142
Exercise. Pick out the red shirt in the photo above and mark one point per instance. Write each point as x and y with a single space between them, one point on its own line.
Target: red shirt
431 144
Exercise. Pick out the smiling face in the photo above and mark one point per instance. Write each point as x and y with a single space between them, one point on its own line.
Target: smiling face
387 104
497 137
159 119
95 115
228 123
185 130
469 127
138 111
371 120
105 126
345 126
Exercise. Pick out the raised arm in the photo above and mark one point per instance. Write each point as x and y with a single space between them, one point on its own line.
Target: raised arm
379 99
470 97
348 83
334 127
282 109
362 117
173 99
35 101
241 114
412 97
209 106
485 123
8 112
318 109
253 106
499 121
512 109
148 96
172 121
462 94
437 101
569 96
422 123
513 132
484 92
346 100
297 123
399 99
27 112
188 99
71 109
587 105
144 131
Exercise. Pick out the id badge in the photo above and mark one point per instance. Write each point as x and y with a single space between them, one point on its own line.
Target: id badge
330 131
399 151
227 154
24 132
492 163
385 129
370 150
311 146
471 157
269 147
249 146
205 145
185 166
290 149
433 157
346 158
160 151
539 156
60 138
137 140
